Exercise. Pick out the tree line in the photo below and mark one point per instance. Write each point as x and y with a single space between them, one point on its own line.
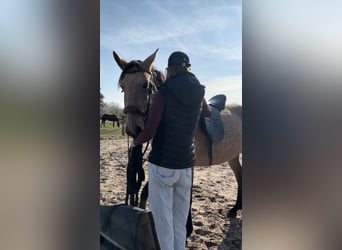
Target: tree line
109 108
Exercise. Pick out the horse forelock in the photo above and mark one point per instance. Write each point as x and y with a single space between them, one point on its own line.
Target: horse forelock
133 66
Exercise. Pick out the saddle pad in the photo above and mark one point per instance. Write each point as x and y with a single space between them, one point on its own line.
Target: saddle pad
214 125
127 227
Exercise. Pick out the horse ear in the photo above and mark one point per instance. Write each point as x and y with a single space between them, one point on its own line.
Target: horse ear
121 62
147 63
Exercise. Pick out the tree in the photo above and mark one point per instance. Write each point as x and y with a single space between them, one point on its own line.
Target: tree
109 108
102 104
112 109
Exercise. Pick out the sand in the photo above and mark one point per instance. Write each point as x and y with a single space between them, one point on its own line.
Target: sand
214 193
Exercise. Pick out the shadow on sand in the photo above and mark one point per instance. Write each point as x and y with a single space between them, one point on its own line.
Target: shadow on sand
233 239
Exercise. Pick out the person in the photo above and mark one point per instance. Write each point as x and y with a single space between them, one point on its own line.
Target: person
172 122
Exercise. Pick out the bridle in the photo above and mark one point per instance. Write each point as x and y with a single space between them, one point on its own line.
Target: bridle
135 172
151 86
132 68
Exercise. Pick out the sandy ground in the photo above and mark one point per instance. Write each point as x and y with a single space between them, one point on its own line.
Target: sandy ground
214 193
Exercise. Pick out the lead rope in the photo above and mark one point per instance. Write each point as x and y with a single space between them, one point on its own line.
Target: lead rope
126 198
134 198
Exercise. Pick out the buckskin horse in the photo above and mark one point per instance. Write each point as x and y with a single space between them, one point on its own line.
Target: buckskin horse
112 118
136 81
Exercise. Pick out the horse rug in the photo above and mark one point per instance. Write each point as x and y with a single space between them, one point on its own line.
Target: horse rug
128 228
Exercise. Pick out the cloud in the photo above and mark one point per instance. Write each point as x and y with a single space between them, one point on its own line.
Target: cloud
163 25
222 52
209 33
231 86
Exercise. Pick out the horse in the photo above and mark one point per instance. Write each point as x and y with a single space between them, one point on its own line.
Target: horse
138 84
112 118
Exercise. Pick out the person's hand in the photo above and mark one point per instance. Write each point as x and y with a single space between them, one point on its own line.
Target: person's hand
132 145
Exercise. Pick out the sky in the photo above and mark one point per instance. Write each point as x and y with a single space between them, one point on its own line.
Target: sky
208 31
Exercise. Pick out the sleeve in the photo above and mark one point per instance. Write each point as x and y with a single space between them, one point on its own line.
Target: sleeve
205 109
153 120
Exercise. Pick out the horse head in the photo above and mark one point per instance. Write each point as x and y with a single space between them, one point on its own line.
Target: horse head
138 81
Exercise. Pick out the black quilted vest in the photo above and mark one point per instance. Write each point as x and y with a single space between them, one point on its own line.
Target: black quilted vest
173 144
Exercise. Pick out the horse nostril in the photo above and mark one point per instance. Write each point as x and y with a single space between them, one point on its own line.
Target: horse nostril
133 132
136 133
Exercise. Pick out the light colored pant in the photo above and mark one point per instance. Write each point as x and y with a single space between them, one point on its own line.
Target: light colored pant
169 200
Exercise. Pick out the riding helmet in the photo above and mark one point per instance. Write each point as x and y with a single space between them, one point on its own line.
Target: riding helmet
179 58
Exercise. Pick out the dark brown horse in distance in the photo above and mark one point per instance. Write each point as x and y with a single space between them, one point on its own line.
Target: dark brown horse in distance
107 117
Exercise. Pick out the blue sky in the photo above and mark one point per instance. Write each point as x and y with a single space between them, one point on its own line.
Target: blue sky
209 31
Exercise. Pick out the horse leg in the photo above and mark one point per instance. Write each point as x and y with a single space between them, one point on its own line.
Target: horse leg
189 227
237 169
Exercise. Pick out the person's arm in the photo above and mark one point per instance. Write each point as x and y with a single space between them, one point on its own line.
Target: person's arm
153 120
205 109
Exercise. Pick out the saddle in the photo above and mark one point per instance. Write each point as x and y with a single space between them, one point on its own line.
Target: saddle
213 125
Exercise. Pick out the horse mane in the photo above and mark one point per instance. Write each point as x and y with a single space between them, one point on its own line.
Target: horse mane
159 77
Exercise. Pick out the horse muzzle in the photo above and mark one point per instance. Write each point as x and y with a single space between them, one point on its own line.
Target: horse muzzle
135 122
133 133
